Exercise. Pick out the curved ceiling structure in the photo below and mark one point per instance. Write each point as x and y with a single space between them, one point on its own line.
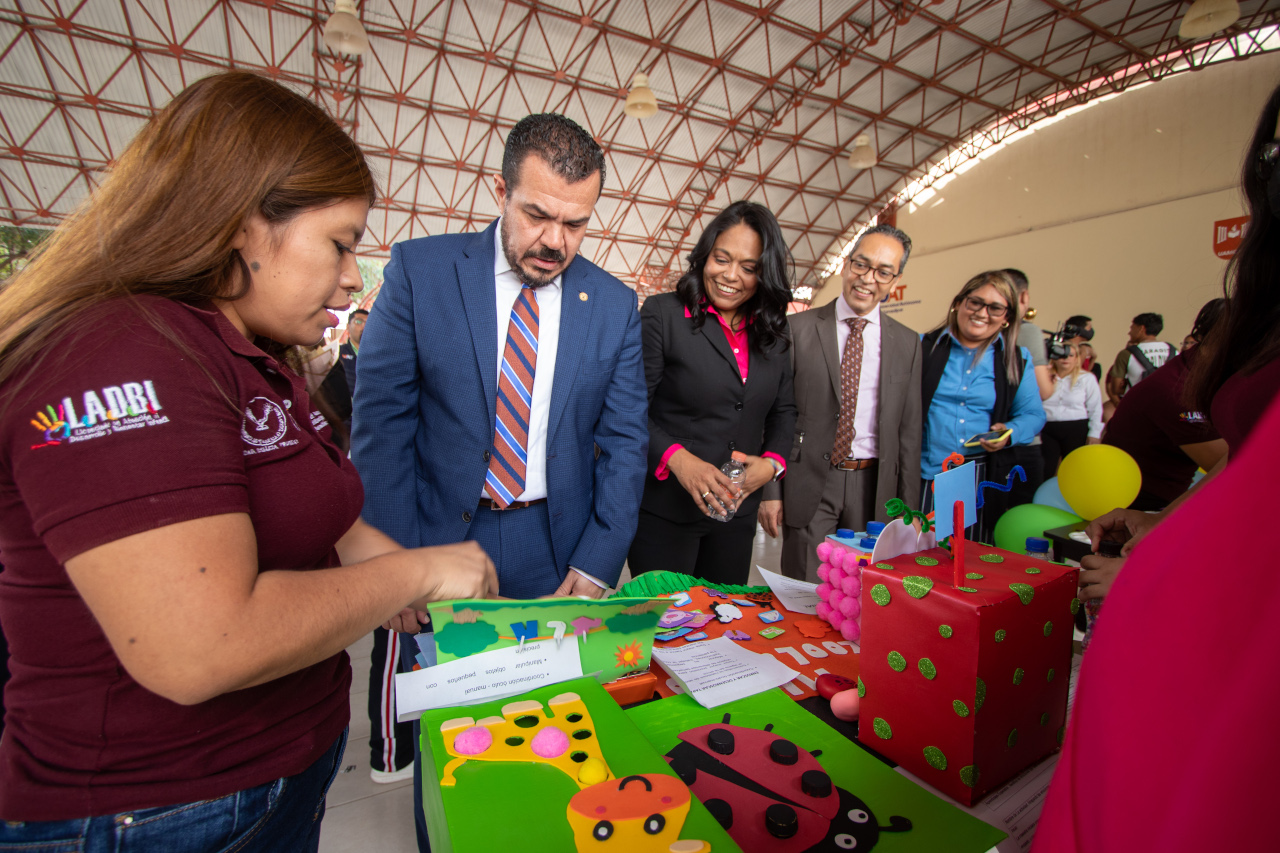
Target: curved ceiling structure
760 99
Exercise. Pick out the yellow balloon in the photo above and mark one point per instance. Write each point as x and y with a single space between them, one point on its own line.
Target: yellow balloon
1098 478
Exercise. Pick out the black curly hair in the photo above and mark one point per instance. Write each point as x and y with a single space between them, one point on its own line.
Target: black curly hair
767 309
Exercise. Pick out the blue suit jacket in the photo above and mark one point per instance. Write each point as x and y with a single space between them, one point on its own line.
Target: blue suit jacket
424 413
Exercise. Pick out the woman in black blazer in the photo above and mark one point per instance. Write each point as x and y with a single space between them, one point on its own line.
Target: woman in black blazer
719 376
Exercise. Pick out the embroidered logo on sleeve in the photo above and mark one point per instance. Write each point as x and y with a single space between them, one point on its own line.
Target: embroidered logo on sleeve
318 421
265 424
120 408
1193 417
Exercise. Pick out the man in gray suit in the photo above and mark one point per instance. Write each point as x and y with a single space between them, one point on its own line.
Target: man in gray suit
857 387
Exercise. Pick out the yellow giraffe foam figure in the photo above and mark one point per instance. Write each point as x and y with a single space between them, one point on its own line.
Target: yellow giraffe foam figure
523 727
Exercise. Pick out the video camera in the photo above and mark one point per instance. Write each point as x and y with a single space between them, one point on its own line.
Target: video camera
1056 342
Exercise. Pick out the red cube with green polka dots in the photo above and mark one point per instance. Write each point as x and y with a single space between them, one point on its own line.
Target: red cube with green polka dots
965 687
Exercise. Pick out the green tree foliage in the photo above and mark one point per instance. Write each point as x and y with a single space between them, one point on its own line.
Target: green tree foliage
16 245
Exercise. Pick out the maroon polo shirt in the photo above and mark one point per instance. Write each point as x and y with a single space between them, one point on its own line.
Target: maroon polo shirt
120 432
1152 423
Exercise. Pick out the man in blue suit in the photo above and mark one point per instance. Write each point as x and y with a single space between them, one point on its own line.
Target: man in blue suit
436 413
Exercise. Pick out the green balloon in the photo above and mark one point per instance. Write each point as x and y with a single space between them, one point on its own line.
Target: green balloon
1021 522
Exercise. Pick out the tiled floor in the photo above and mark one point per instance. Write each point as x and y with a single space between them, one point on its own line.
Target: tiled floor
362 816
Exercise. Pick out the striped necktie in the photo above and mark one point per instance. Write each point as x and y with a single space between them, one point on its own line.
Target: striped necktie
507 465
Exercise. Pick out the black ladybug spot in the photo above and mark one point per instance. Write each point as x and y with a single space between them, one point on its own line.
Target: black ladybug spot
527 721
720 741
515 740
573 718
781 820
581 734
721 811
784 752
578 757
815 783
654 824
602 830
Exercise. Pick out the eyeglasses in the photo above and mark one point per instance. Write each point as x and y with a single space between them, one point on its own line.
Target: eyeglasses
357 322
994 309
860 267
1267 158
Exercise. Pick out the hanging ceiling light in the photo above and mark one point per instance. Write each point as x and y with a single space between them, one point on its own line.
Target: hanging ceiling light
1206 17
343 33
863 155
641 102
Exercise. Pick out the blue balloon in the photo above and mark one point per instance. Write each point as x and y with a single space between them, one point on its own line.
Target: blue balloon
1050 495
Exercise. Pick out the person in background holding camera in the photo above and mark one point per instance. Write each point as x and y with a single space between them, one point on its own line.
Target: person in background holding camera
1082 327
976 380
720 387
1073 412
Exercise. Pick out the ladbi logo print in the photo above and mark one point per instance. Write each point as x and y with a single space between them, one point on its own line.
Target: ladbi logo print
128 406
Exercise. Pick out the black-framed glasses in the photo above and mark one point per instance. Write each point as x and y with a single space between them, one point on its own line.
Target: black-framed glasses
859 268
995 310
1267 159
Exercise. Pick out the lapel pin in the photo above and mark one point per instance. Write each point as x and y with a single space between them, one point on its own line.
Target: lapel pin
582 294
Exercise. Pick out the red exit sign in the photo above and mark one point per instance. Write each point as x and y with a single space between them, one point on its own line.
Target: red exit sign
1227 234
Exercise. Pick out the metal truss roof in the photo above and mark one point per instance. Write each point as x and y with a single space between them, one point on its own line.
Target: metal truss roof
760 99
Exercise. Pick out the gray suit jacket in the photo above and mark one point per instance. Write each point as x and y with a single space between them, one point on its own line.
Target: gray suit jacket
815 357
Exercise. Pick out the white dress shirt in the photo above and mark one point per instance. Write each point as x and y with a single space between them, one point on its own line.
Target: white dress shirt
507 286
865 442
1079 402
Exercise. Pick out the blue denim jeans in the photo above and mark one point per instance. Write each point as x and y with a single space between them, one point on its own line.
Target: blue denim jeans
279 817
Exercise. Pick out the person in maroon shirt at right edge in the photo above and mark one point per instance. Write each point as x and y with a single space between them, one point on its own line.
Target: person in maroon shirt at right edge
1171 745
184 557
1236 372
1166 436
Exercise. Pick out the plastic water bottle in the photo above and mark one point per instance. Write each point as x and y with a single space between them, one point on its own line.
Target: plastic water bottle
1092 607
734 470
1038 548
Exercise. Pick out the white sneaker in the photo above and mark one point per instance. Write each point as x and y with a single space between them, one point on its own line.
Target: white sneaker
386 777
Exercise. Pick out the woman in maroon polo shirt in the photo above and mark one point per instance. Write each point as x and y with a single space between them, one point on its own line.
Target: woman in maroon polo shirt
184 558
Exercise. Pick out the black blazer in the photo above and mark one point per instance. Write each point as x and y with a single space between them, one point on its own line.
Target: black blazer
697 399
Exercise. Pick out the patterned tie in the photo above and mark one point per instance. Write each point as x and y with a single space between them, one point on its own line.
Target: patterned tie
850 374
505 478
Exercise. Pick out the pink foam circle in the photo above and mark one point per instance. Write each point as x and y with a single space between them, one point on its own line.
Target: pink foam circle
550 743
824 548
836 557
473 741
824 611
836 576
845 705
835 598
823 570
823 590
852 584
851 607
850 631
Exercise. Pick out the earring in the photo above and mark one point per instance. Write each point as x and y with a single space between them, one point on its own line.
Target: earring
1006 325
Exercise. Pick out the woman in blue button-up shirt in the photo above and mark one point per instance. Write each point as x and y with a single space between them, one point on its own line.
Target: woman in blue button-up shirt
975 380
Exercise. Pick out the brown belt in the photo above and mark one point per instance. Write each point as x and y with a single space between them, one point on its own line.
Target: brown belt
857 464
486 503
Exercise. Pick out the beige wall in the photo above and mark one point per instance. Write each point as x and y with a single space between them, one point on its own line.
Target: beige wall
1110 211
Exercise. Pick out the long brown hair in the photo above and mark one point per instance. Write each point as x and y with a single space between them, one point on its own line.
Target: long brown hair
1247 336
163 220
1001 281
